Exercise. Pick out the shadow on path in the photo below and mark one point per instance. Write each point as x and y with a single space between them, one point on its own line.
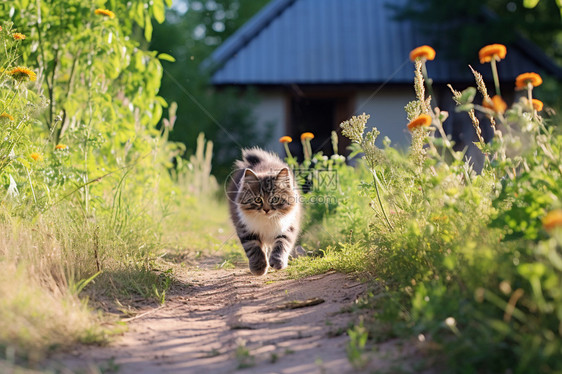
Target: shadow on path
232 321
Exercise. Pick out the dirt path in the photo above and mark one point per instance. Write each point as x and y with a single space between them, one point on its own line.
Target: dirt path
230 321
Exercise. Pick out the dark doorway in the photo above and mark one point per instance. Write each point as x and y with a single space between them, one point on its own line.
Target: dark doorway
319 115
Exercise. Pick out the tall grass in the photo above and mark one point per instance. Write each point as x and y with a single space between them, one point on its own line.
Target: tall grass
61 264
40 284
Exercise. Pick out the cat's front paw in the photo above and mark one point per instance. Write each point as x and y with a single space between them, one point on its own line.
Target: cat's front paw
259 266
278 262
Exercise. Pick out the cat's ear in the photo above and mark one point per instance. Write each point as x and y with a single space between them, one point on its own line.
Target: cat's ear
250 176
283 173
284 176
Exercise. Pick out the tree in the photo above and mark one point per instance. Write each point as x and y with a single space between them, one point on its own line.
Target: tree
469 25
193 29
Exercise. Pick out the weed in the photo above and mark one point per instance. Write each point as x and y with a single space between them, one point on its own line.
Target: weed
356 346
332 333
243 356
109 367
213 353
274 357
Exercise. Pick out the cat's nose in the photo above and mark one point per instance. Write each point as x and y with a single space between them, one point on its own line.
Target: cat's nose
266 210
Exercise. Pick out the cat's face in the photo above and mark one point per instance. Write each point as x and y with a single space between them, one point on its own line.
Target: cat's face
269 195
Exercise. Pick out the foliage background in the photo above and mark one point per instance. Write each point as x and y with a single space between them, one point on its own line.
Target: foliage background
199 27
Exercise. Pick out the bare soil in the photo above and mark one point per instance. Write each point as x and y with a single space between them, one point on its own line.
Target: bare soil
231 321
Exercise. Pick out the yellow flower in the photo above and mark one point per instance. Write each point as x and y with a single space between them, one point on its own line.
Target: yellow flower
552 219
22 73
496 104
61 146
104 12
537 105
36 156
307 136
285 139
523 79
424 51
18 36
422 120
493 51
6 115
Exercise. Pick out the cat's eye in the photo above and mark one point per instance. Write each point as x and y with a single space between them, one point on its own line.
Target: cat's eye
275 200
258 200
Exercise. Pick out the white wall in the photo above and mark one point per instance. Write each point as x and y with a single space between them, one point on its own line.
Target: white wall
271 109
387 112
386 109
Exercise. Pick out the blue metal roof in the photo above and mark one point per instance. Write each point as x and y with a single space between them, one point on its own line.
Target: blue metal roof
343 42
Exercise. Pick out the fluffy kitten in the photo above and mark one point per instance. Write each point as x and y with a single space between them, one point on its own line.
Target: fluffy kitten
265 209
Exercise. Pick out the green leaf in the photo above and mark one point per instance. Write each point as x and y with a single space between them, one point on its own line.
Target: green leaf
467 96
532 270
158 11
79 286
530 3
166 57
169 3
147 28
465 107
139 14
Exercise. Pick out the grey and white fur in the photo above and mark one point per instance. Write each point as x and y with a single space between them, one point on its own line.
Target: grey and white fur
265 209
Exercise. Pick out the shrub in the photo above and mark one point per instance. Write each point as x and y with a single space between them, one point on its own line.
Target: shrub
466 259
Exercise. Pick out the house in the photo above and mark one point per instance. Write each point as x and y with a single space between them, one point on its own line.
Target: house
316 63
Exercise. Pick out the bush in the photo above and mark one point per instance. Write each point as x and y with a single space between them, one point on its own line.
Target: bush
471 261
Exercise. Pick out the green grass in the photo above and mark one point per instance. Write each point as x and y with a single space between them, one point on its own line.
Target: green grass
344 259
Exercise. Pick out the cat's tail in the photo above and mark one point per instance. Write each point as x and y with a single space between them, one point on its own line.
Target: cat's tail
255 156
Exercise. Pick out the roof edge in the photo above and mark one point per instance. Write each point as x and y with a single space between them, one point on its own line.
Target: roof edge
246 33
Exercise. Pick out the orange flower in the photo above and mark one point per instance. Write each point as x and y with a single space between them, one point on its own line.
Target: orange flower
36 156
537 105
424 51
285 139
307 136
422 120
104 12
6 115
523 79
22 73
493 51
61 146
496 104
552 219
18 36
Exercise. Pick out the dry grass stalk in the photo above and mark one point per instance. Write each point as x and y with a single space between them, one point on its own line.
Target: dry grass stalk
471 114
419 87
484 91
